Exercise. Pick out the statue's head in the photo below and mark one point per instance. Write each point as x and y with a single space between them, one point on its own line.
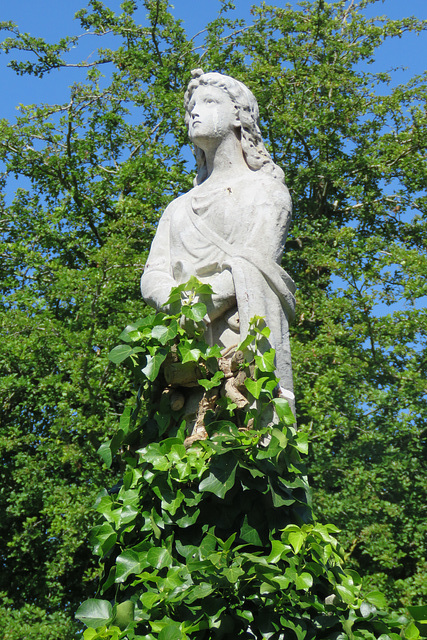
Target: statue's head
247 117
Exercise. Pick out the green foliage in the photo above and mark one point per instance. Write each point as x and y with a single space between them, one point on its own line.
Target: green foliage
94 174
215 539
33 623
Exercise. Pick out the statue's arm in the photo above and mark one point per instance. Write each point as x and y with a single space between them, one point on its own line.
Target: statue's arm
224 296
157 280
272 213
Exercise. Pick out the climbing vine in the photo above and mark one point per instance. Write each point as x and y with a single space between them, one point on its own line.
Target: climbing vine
210 533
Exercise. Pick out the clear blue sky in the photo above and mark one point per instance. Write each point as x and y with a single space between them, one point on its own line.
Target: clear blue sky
53 19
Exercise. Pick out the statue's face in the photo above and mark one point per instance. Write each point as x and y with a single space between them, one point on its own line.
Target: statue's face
212 114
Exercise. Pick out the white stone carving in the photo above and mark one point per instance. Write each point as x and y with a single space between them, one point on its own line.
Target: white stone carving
230 229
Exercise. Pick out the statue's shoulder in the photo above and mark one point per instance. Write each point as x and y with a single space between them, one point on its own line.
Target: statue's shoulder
177 204
264 187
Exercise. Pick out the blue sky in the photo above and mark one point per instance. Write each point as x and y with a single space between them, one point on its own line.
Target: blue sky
53 19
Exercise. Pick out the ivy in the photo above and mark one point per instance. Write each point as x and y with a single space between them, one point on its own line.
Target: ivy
213 537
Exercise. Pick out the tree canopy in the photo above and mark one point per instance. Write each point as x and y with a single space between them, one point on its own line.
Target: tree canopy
94 175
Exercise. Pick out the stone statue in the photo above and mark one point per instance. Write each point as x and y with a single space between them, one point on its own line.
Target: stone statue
230 229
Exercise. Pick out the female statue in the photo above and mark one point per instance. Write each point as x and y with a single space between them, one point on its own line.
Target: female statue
230 229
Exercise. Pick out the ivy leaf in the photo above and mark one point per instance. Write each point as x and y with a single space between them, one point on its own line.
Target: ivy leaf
204 289
108 449
199 311
283 410
155 522
282 581
127 564
195 312
267 361
255 386
121 352
208 545
194 285
242 346
412 632
258 325
159 558
165 333
296 539
226 546
377 599
213 382
345 593
199 592
301 442
152 368
295 535
189 352
277 548
171 632
149 599
125 419
233 573
104 450
280 436
102 538
188 519
128 514
213 352
222 475
304 581
124 614
249 533
137 330
95 613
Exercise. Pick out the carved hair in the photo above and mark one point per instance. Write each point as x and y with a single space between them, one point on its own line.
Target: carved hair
254 151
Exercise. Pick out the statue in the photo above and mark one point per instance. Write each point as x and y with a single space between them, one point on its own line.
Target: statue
230 229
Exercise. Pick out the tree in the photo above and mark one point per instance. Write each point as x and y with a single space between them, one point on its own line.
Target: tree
99 169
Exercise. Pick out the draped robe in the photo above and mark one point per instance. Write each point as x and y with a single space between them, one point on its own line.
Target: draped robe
231 236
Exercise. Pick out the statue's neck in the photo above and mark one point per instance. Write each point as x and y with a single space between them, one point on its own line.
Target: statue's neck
224 158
